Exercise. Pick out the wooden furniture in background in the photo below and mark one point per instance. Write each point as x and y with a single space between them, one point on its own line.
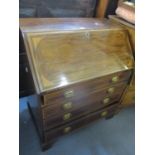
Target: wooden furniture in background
126 11
80 69
101 8
128 97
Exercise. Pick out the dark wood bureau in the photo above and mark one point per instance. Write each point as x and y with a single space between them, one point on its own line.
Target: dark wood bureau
80 69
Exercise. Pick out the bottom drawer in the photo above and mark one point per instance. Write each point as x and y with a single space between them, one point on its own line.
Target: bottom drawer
55 133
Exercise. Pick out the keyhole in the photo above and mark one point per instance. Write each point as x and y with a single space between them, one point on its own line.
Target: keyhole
87 35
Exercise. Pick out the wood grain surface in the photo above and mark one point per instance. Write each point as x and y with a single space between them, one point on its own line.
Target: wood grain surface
63 57
80 69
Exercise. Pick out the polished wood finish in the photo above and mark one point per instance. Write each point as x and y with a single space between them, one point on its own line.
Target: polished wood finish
56 120
54 115
82 49
128 98
58 104
83 88
80 69
130 27
59 131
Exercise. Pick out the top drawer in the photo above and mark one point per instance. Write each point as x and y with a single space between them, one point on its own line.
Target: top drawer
82 89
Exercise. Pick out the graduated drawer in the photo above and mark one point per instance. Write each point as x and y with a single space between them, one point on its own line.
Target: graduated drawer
63 118
56 132
82 89
87 105
62 106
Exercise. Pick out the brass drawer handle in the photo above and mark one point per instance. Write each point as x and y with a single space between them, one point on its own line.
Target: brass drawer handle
111 90
104 113
106 100
115 79
67 129
69 93
67 105
67 116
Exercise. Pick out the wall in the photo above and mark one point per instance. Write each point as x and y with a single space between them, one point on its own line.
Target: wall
57 8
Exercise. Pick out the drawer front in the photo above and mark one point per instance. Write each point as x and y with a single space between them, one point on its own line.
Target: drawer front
108 95
55 133
62 118
82 89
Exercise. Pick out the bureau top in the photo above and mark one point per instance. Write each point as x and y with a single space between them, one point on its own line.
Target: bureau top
60 24
66 51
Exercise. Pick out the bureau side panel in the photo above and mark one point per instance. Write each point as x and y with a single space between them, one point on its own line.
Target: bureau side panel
34 105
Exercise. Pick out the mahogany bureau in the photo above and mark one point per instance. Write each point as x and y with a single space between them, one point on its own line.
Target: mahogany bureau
80 68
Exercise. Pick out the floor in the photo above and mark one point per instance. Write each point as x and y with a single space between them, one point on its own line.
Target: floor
103 137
